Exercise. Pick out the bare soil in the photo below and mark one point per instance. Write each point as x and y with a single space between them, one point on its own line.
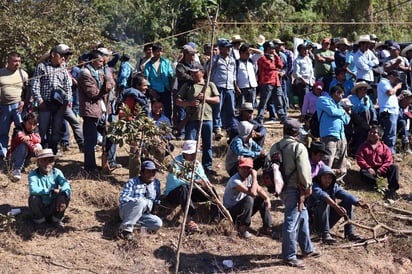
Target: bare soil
90 241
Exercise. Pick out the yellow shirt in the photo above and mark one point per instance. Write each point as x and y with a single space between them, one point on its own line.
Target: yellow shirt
11 86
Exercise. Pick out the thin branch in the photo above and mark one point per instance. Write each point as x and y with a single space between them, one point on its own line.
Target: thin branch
364 243
404 211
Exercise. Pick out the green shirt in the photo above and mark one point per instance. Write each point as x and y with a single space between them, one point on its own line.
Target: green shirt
188 92
323 68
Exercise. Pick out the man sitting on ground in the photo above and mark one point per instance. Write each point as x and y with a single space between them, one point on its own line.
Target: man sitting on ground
243 197
49 191
137 199
375 160
327 211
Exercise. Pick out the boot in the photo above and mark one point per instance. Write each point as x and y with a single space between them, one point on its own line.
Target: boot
406 148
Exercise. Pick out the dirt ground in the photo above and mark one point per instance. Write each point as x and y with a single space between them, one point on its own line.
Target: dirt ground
90 242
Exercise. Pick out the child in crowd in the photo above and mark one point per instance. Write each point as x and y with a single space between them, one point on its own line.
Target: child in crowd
24 144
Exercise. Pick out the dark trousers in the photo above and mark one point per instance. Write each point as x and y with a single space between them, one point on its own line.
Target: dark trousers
180 194
243 211
326 217
392 176
41 211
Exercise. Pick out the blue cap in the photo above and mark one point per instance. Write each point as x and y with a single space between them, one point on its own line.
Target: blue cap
224 43
148 165
192 44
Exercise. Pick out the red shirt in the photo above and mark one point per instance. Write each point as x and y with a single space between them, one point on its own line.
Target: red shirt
268 70
378 159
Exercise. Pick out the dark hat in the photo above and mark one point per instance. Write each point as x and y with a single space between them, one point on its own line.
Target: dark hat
317 146
394 73
302 46
245 47
62 49
269 44
395 46
125 57
148 165
224 43
196 67
292 125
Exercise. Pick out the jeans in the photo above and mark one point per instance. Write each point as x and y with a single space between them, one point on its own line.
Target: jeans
389 122
166 98
51 120
337 149
71 118
226 108
326 217
111 147
8 113
392 175
138 212
301 90
207 130
248 95
90 141
266 99
19 155
243 211
403 128
40 211
295 226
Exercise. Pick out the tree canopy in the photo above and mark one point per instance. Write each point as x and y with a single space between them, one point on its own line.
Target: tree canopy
32 27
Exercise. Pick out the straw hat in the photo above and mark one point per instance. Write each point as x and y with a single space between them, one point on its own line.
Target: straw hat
236 38
343 41
361 84
46 153
364 38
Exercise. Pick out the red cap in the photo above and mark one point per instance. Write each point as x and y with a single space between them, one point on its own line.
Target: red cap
319 84
248 162
326 40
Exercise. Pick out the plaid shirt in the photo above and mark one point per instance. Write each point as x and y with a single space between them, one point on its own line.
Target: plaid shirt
134 189
47 78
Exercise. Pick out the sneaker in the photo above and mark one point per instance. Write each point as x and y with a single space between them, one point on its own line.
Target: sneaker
266 231
313 254
16 175
59 225
210 172
65 146
128 236
328 239
353 237
245 234
294 263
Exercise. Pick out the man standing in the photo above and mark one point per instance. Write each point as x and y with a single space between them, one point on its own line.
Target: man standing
365 60
271 92
399 63
13 81
323 62
389 107
332 118
94 87
191 97
52 92
297 187
223 76
137 199
125 73
159 73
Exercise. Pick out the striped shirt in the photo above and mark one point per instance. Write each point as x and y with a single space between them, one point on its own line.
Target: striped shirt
135 188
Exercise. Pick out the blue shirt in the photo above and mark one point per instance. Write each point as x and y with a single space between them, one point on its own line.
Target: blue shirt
360 106
43 185
347 85
172 180
364 63
334 118
334 192
124 73
387 102
159 82
224 72
135 188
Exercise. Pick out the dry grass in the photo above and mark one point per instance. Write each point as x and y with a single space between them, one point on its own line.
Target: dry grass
90 242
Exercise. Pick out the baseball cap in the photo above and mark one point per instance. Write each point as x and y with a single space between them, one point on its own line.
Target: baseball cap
246 162
187 49
319 84
105 51
62 49
196 67
395 46
224 43
148 165
189 147
326 40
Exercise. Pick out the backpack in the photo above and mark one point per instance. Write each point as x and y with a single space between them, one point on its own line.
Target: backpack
274 177
315 124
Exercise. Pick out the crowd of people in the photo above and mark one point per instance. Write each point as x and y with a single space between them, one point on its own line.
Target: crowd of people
358 92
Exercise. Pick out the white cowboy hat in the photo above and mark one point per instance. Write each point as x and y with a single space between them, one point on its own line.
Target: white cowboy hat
343 41
364 38
406 49
361 84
